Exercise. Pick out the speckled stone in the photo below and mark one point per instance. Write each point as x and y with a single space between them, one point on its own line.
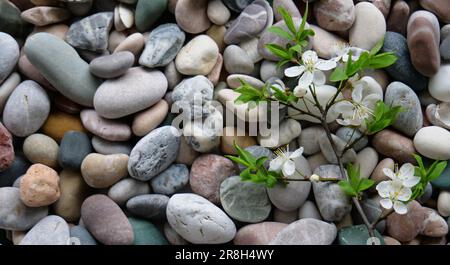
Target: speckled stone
52 230
171 180
306 232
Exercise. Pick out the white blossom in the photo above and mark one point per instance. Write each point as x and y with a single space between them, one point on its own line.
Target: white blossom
405 175
395 195
284 162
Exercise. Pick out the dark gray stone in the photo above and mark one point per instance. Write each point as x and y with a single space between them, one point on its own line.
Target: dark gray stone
171 180
111 66
74 147
149 206
349 135
237 5
18 168
445 48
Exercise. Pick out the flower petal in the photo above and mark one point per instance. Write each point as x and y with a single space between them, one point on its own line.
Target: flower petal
306 79
386 203
400 207
297 153
357 94
325 65
406 171
384 188
294 71
310 57
345 107
389 173
404 194
300 91
319 78
411 182
288 168
276 164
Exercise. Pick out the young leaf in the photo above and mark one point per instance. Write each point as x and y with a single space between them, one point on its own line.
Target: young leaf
365 184
347 188
381 61
278 51
384 116
377 47
281 32
436 172
338 75
288 20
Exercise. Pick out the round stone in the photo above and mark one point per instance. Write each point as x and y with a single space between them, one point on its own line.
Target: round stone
27 109
145 121
112 66
406 227
6 148
244 201
191 15
237 61
148 12
52 230
9 55
58 123
258 234
39 186
395 145
154 153
106 147
217 12
106 221
148 206
80 233
207 173
369 27
126 189
433 142
438 86
41 149
75 146
171 180
198 220
103 171
335 15
306 232
197 57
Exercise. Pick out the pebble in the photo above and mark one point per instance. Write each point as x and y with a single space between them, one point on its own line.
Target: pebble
45 15
52 230
328 152
254 19
306 232
9 55
111 130
440 7
73 192
288 5
58 123
51 56
366 160
39 186
394 145
438 87
237 61
348 134
138 89
172 75
232 135
244 201
331 201
148 12
269 69
433 142
7 153
233 81
148 206
411 120
16 216
434 225
91 33
106 147
443 203
403 70
104 219
27 109
444 48
198 220
191 91
237 5
123 17
171 180
335 15
112 66
145 233
134 43
103 171
406 227
126 189
7 87
75 146
154 153
289 130
187 154
173 237
198 56
369 27
217 33
218 13
285 217
41 149
162 46
398 18
146 121
325 43
191 15
356 235
308 139
377 174
83 235
309 210
18 167
423 41
10 20
443 182
207 173
258 234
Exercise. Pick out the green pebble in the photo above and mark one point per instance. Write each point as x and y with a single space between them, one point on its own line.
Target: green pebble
148 12
356 235
145 233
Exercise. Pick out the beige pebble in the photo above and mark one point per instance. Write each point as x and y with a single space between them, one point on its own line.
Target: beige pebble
145 121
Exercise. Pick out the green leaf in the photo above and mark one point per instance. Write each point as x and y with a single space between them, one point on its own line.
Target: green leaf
384 116
238 160
278 51
377 47
288 20
365 184
260 161
347 188
281 32
381 61
437 171
338 74
304 18
280 94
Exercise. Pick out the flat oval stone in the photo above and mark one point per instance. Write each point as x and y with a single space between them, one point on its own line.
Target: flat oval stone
111 66
445 49
306 232
398 18
402 70
82 235
106 221
171 180
325 43
91 33
438 87
423 41
148 206
207 173
410 120
52 230
103 171
288 5
162 45
126 189
258 234
406 227
154 153
369 27
356 235
41 149
111 130
145 233
7 87
197 57
14 215
26 109
191 15
335 15
392 144
332 202
61 65
7 154
218 13
433 142
106 147
198 220
237 61
148 12
9 55
244 201
434 225
75 146
237 5
147 120
137 90
45 15
74 191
